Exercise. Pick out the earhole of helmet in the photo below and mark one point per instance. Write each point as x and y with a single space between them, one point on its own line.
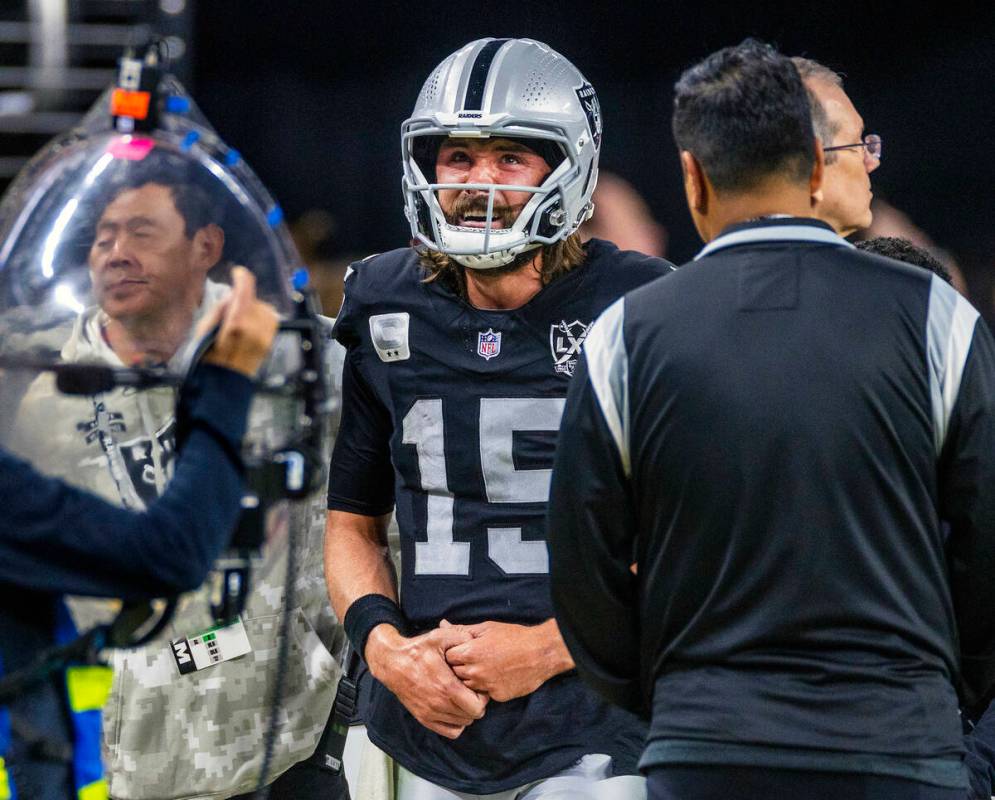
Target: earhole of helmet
553 217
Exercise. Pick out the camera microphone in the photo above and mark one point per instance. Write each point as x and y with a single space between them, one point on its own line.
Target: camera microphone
86 379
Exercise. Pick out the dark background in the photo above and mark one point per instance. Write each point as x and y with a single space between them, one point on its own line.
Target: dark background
313 94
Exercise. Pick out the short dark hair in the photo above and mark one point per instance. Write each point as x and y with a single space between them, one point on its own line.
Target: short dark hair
744 113
903 250
194 205
192 201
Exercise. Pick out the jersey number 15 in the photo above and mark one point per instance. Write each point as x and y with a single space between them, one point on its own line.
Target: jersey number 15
500 417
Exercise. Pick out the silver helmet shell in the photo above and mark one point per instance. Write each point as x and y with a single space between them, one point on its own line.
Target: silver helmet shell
509 88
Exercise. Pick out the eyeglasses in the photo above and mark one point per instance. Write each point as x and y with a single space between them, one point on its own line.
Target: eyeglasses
872 144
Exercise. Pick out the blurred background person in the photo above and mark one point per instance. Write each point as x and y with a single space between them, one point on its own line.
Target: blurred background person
890 222
903 250
622 216
314 234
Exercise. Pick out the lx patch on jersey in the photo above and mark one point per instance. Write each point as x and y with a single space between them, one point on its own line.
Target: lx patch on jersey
565 341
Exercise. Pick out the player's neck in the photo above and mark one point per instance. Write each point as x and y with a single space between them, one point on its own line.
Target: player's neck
504 291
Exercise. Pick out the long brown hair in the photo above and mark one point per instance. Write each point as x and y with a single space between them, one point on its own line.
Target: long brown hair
557 259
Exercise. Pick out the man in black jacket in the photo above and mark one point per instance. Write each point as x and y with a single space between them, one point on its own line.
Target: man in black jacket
773 435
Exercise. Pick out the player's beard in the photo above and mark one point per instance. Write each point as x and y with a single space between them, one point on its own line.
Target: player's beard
502 217
467 204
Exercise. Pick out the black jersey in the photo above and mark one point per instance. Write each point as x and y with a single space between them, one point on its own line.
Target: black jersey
781 427
451 412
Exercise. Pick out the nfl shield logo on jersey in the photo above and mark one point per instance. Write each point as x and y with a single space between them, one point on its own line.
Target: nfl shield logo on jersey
488 343
565 340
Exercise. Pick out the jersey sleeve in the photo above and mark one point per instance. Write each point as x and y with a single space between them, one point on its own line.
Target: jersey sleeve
967 503
361 475
60 539
591 529
346 328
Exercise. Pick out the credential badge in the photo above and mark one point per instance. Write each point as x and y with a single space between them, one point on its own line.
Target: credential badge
389 333
488 344
565 340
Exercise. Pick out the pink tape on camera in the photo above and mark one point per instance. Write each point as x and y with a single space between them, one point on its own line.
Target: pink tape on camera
132 148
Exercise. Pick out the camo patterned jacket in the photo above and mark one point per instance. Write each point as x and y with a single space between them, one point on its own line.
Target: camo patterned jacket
198 735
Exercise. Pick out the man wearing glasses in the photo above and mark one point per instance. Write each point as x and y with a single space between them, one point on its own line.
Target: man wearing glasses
844 201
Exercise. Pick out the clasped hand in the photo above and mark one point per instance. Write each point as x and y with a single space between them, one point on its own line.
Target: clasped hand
504 660
415 670
446 677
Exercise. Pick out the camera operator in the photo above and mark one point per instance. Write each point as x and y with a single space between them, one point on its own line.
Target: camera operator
55 540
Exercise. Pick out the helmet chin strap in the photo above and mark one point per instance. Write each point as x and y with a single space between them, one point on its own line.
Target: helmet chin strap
500 258
453 238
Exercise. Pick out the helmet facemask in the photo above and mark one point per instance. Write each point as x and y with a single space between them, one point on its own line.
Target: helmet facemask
502 236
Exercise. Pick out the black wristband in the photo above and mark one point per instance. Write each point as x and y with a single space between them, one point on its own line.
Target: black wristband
366 613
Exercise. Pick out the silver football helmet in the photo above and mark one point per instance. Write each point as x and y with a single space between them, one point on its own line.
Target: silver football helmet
509 88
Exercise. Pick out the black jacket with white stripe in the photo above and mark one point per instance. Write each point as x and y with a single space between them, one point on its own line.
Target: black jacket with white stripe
774 435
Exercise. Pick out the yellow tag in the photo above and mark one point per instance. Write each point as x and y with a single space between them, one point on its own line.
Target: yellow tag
4 782
88 687
94 791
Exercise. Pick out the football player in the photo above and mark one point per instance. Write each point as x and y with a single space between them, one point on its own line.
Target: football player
460 351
